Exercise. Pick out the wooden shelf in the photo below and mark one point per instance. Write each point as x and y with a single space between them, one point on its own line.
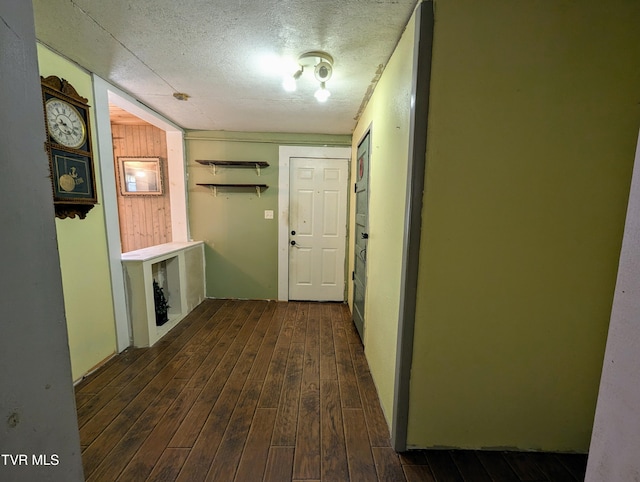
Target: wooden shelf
257 165
226 184
234 163
214 186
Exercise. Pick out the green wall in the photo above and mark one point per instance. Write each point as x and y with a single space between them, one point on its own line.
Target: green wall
533 119
388 116
82 245
241 246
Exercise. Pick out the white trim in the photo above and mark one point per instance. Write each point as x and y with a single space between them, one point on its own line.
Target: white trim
177 187
104 94
285 153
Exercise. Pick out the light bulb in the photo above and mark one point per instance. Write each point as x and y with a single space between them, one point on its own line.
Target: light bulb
322 94
289 84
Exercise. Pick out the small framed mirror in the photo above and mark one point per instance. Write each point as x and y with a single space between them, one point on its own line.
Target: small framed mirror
140 176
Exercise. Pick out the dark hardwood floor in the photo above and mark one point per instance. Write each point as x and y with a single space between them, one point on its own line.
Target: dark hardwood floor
257 390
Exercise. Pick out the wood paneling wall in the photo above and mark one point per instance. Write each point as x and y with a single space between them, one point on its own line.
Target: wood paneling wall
144 220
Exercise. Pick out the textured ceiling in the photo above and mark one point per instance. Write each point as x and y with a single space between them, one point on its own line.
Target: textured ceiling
217 52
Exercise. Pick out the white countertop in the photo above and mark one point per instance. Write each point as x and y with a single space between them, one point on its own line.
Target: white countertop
151 252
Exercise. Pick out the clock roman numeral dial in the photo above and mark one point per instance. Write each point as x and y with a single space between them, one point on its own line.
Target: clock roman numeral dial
65 124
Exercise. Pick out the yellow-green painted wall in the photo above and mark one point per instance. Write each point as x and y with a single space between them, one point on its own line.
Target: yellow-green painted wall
534 113
241 246
82 246
388 116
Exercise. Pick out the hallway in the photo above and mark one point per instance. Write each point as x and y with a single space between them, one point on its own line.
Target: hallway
257 390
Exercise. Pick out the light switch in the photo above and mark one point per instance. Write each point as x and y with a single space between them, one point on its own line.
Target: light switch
268 214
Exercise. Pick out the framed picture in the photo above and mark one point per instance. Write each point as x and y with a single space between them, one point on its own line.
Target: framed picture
72 176
140 176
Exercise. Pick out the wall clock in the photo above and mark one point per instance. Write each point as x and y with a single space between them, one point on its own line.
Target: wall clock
69 148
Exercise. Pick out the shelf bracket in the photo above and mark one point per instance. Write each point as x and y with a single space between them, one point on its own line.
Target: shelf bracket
258 190
212 168
214 190
258 169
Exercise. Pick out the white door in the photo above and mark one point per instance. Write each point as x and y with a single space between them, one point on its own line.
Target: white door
318 229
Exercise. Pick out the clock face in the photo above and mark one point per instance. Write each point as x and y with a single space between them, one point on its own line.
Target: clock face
65 124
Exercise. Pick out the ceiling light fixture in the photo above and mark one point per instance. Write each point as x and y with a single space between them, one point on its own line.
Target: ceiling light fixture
322 65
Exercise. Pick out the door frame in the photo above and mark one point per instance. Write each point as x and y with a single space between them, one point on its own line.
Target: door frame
421 82
286 153
367 134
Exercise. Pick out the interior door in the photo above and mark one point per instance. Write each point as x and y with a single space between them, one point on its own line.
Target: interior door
361 234
318 229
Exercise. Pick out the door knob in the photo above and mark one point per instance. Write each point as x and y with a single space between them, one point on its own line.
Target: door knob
293 233
293 243
364 235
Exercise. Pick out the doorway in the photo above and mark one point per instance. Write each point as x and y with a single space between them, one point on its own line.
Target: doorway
106 94
286 154
361 234
318 229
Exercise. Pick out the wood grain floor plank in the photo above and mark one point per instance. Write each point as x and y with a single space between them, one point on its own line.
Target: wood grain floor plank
575 463
197 355
100 378
346 374
117 459
105 415
83 398
102 444
387 465
497 466
443 467
275 314
91 407
328 370
418 473
189 331
272 387
376 423
142 463
524 466
226 459
553 468
469 466
210 437
200 458
235 339
279 464
224 333
284 432
413 457
154 357
347 322
168 466
359 457
307 449
228 314
300 325
253 344
333 446
311 368
256 451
